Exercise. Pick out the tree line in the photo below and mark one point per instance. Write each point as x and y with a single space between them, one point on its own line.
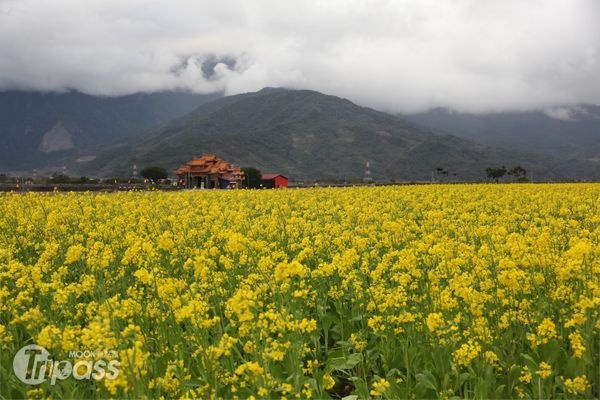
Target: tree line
518 173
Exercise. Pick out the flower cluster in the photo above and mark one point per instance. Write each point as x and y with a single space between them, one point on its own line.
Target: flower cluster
395 292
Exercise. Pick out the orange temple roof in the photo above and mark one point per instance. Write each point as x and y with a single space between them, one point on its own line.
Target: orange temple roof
208 164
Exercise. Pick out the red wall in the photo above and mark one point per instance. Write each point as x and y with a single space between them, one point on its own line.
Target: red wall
281 181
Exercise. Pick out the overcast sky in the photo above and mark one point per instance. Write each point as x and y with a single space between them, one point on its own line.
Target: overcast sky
394 55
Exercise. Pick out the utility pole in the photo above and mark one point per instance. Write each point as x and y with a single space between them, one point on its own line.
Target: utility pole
368 178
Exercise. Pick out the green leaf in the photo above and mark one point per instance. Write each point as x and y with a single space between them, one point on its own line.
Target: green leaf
344 363
550 351
362 389
355 359
327 321
393 372
530 362
462 378
559 382
427 380
499 390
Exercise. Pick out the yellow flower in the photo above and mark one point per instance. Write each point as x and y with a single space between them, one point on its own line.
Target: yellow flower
525 375
37 393
328 382
545 332
143 276
379 387
251 367
286 270
306 391
577 344
491 357
249 347
5 337
466 353
358 343
303 326
74 253
170 383
165 241
435 322
49 337
577 385
376 323
224 348
544 370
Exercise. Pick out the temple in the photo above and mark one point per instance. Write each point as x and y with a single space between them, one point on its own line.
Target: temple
210 172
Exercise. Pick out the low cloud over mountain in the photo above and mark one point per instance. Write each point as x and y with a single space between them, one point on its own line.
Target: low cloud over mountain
398 56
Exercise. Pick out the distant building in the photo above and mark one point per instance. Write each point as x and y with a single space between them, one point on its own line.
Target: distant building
274 181
210 172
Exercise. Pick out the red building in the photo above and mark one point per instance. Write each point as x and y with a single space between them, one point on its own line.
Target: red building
274 181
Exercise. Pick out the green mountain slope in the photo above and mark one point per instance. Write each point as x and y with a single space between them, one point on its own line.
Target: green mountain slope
576 134
48 130
308 135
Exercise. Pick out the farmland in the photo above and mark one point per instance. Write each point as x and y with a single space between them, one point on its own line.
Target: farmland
488 291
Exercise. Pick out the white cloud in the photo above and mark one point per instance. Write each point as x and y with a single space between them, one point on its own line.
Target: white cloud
562 113
396 55
567 113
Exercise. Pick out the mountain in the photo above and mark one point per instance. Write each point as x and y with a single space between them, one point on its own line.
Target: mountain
563 131
309 135
48 130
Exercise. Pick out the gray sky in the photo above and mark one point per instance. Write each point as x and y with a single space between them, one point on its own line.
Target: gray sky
394 55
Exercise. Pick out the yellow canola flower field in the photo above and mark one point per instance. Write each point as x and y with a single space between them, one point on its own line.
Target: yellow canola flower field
436 291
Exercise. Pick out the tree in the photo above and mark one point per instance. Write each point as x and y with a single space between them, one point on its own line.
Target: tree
519 173
154 173
495 173
60 178
441 173
252 177
85 179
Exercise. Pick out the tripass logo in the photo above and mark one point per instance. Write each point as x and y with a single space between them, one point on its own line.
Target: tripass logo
33 365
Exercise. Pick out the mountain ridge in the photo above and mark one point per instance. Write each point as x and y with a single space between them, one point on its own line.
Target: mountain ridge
564 131
303 133
309 135
38 130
